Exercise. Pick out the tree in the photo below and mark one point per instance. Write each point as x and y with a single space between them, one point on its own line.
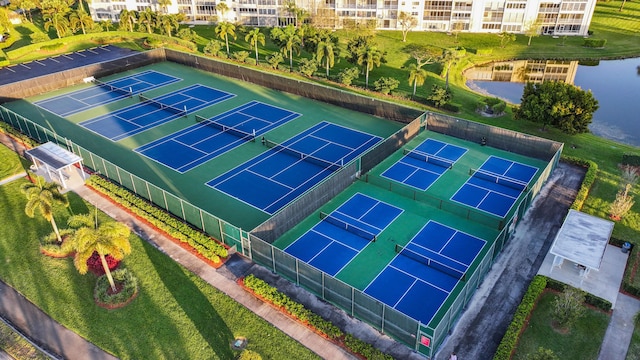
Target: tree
289 41
622 5
347 75
42 196
326 51
224 30
127 19
449 58
417 76
300 14
357 45
407 22
255 37
163 4
369 57
568 307
505 38
26 6
532 29
275 60
5 23
439 96
622 204
543 354
456 27
424 55
110 238
213 47
241 56
58 21
222 8
106 24
80 18
558 104
147 19
167 23
385 85
307 67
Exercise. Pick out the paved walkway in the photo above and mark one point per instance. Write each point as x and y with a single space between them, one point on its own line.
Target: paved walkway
618 336
13 177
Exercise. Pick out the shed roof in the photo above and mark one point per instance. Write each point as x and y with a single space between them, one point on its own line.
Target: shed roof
54 156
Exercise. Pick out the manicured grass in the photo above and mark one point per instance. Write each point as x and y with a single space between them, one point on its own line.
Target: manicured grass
17 346
582 342
634 348
176 315
11 163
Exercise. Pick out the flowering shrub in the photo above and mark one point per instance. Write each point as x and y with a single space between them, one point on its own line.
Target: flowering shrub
95 264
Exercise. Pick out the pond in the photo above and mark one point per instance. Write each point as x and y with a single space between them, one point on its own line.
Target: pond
614 83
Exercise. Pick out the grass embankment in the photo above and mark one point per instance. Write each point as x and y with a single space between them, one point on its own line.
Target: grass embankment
11 163
17 346
581 342
176 316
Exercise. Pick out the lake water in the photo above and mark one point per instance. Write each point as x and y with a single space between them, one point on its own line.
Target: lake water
614 83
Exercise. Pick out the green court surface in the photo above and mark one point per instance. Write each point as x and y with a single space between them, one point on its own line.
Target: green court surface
190 186
369 262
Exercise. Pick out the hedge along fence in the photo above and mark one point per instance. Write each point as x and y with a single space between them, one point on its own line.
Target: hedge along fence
202 243
298 311
631 273
510 339
587 182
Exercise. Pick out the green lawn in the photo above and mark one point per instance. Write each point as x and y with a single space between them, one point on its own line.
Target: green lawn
176 316
582 342
11 163
634 348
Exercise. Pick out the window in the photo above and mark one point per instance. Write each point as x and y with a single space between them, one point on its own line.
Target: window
267 11
512 28
143 8
491 26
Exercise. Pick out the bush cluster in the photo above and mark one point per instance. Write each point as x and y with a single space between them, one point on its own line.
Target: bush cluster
594 43
631 159
510 338
297 310
201 242
95 264
587 182
590 299
628 281
121 276
52 47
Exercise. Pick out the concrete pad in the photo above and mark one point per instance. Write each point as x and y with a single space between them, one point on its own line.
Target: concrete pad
618 336
604 283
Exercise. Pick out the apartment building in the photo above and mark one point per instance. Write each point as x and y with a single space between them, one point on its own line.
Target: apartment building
556 17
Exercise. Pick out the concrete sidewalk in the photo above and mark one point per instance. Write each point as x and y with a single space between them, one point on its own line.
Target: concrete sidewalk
618 336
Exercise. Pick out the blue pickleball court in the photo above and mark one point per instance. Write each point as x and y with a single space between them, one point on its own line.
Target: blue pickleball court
420 278
207 139
422 166
105 93
275 178
150 113
495 186
332 243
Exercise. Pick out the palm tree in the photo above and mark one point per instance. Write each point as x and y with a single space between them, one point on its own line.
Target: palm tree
147 18
167 23
58 21
222 8
106 24
254 37
223 30
289 40
417 76
448 59
80 18
370 56
163 4
111 238
42 196
325 50
127 18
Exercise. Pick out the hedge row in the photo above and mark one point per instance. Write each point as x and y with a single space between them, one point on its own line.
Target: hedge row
631 159
510 339
631 274
202 243
589 179
298 311
594 43
590 299
8 129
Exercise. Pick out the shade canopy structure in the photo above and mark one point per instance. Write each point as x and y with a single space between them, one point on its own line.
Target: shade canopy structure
55 160
582 239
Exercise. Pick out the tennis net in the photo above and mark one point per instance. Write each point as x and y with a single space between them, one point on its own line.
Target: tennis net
433 159
129 92
348 227
225 128
430 262
306 157
499 179
175 110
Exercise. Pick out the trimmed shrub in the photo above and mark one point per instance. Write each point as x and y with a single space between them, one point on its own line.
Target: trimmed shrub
482 52
249 355
587 182
529 299
594 43
122 277
51 47
240 56
631 159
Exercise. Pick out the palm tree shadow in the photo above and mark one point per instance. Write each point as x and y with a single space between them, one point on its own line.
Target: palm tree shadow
194 303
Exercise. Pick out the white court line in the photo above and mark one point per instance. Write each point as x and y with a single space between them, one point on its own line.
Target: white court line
23 65
67 56
10 69
91 51
83 55
270 179
54 60
38 62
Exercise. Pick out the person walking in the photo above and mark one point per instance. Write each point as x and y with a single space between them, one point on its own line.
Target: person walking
453 356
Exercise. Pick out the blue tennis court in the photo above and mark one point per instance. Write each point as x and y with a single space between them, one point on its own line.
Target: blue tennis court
332 243
422 166
104 93
201 142
423 274
495 186
275 178
150 113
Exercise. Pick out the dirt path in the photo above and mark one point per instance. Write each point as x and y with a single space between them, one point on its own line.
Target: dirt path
478 332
